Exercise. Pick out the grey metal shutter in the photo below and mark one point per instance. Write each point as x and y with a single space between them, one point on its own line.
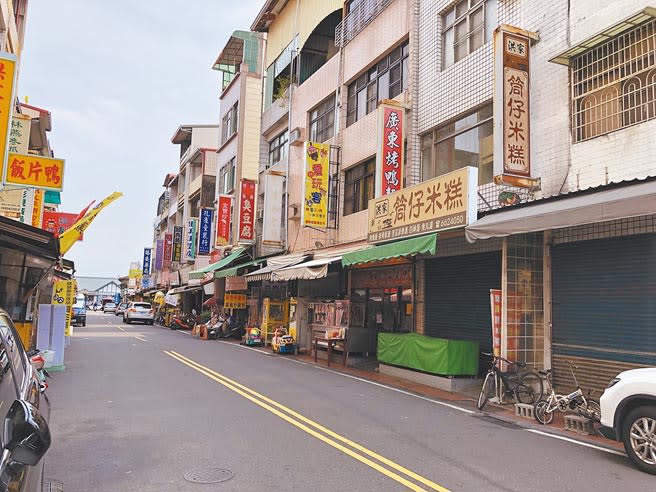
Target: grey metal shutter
457 298
604 308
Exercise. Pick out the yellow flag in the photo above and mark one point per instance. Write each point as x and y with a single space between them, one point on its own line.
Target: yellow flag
72 234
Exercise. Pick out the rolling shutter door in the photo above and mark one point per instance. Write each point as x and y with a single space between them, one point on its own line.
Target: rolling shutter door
604 308
457 297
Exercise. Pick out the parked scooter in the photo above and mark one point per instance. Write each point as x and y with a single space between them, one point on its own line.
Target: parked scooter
215 329
184 321
38 362
234 329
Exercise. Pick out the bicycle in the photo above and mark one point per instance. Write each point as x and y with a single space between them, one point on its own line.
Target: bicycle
523 386
576 402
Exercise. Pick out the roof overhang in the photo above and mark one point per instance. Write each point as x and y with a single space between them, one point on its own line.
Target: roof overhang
607 34
169 179
232 53
26 238
267 15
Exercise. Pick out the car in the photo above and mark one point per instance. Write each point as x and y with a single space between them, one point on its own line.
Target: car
79 314
24 412
109 307
120 308
139 311
628 415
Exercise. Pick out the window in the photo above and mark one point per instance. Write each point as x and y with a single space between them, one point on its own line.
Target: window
227 178
614 84
385 80
278 149
467 141
467 26
229 125
322 121
359 184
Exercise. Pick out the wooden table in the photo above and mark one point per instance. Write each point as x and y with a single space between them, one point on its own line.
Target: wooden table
330 342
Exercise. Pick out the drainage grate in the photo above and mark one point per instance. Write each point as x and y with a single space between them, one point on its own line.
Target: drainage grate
50 485
208 475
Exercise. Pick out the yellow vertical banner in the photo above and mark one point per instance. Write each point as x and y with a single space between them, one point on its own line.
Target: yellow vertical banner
7 84
37 209
315 195
63 292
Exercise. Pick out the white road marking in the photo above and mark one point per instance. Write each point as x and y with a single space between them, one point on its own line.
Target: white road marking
574 441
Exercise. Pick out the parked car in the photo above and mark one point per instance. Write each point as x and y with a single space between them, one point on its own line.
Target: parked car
628 414
79 314
139 311
120 308
24 412
109 307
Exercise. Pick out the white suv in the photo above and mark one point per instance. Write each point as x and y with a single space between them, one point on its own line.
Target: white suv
139 311
628 414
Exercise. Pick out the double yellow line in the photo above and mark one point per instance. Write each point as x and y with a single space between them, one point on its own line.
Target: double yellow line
354 450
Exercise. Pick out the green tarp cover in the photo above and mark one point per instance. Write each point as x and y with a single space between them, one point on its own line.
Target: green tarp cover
200 273
232 271
407 247
428 354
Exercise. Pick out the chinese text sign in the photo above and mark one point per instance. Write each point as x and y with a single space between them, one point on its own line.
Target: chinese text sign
205 232
168 249
247 211
58 222
7 84
146 261
192 230
35 171
389 162
178 231
159 254
315 196
223 220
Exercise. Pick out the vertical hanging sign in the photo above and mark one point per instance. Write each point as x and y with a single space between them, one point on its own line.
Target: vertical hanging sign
146 261
495 305
177 243
192 230
168 250
205 232
7 84
37 209
511 103
247 211
315 195
159 254
223 220
390 155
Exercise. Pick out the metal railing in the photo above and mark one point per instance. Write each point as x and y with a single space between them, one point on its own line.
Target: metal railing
359 18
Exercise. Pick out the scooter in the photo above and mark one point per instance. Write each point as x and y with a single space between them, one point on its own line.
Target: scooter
38 362
236 330
184 322
216 329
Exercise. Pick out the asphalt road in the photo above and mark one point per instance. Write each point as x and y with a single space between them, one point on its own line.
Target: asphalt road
138 407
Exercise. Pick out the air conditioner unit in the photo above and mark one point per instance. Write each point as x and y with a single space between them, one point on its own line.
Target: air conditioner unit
297 136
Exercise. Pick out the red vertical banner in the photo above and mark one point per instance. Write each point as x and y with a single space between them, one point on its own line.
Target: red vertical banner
247 211
389 162
168 249
223 220
495 305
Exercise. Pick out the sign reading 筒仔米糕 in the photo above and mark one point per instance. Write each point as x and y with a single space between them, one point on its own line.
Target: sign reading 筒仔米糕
223 220
205 232
389 158
445 202
178 231
159 254
146 261
315 195
191 239
247 211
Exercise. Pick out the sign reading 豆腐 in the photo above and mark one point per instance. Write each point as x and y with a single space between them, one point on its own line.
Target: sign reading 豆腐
315 195
247 211
205 232
223 220
389 158
445 202
177 243
191 236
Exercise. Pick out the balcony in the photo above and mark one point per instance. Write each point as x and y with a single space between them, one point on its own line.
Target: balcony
195 185
359 18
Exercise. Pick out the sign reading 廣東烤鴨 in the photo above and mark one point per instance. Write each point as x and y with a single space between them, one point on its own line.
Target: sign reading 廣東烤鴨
247 211
35 171
223 220
205 232
315 195
445 202
389 158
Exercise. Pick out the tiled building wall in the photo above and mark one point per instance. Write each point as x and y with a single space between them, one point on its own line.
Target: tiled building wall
249 126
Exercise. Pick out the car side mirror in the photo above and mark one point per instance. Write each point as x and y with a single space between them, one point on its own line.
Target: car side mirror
26 434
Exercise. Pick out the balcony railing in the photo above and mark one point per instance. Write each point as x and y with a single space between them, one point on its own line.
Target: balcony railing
359 18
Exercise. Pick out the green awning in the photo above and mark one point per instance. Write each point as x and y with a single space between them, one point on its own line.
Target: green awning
200 273
232 271
408 247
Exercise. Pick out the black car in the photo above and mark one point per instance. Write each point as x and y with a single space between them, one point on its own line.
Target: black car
23 409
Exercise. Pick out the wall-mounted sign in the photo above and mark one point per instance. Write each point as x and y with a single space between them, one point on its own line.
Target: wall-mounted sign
445 202
495 305
511 103
205 232
273 201
223 220
247 211
146 261
397 276
389 158
37 208
168 249
58 222
178 231
7 97
35 171
19 135
234 301
315 193
235 283
159 254
191 238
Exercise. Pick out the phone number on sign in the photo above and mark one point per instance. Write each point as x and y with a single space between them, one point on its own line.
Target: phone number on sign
451 221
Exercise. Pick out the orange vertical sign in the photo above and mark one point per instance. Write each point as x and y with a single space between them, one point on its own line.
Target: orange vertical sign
495 304
7 84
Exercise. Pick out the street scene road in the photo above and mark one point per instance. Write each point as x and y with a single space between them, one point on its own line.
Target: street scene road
138 407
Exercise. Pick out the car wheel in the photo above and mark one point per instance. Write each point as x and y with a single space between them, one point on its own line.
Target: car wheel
639 437
84 323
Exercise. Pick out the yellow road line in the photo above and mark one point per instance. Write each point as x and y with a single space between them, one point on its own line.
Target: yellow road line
243 390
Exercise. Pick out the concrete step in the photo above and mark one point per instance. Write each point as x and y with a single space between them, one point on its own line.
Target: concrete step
524 410
578 424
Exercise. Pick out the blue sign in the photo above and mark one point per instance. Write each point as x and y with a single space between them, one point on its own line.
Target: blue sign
205 232
145 269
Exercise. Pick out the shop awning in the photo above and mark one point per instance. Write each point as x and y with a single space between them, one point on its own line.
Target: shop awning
232 271
200 273
273 264
25 238
407 247
183 289
310 270
631 200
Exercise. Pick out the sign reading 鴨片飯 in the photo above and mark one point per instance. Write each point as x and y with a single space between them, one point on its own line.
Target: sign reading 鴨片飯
445 202
223 220
205 232
146 261
315 195
168 249
7 86
159 254
512 154
35 171
178 231
247 211
191 238
389 158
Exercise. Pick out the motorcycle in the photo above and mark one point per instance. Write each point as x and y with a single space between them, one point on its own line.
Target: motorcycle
216 329
38 362
232 330
184 321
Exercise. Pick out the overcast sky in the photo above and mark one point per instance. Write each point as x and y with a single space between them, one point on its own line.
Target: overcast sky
119 77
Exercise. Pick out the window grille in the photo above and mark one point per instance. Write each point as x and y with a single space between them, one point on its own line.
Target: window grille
614 84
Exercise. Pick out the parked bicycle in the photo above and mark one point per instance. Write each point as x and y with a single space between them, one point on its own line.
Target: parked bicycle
522 386
576 402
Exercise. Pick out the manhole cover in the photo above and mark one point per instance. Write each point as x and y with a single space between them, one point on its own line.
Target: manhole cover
208 475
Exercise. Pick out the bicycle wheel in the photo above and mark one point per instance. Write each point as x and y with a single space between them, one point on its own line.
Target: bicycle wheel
486 390
529 388
592 411
541 414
